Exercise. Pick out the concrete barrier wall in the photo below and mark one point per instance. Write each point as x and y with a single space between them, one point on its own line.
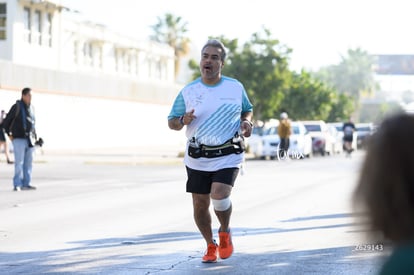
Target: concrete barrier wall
101 85
71 123
86 111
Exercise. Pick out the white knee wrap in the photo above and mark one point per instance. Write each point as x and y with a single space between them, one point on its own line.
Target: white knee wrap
221 205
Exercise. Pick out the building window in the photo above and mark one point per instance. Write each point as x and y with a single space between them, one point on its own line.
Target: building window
48 28
75 52
27 21
87 53
97 59
37 27
3 20
158 69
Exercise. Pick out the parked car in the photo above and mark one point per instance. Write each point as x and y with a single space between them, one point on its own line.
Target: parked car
267 145
255 139
365 130
322 141
339 128
300 142
337 139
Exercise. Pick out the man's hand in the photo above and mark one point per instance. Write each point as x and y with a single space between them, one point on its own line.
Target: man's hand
179 122
187 118
246 128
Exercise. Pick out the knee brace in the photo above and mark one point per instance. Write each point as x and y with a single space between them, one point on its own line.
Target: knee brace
221 205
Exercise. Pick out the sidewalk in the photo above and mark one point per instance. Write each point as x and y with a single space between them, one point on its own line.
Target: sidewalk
113 156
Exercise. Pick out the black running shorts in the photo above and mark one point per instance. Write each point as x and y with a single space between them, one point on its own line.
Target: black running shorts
200 181
349 138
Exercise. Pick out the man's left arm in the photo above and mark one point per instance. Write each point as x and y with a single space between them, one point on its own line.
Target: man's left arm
246 124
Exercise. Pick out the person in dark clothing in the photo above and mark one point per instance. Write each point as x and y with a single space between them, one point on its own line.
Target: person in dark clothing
348 128
3 140
19 125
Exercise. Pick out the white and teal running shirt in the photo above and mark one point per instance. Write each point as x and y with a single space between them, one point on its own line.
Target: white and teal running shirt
218 110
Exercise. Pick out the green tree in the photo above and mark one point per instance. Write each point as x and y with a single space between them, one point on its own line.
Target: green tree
342 108
353 75
308 98
376 112
261 64
171 30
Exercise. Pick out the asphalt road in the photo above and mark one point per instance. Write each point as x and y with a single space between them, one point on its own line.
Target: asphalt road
127 213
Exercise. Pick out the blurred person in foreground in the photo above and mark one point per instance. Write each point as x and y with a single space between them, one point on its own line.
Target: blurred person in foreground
19 125
3 140
385 191
284 130
217 114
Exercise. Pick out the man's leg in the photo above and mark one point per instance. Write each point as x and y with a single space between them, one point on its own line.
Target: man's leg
348 145
7 153
202 216
3 145
220 191
282 149
220 194
19 146
27 166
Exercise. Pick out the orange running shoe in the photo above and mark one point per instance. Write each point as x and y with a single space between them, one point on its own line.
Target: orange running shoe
211 253
226 246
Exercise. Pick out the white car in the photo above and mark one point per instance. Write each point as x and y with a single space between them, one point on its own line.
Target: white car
253 142
322 141
337 139
300 142
365 131
267 146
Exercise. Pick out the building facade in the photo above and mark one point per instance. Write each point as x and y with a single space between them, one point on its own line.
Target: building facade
92 87
47 36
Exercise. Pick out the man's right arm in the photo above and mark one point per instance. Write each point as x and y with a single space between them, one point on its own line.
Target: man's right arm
175 118
175 123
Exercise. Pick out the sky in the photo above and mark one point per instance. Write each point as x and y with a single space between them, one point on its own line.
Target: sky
318 31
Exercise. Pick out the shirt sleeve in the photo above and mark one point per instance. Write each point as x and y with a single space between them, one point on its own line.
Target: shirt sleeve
178 108
246 105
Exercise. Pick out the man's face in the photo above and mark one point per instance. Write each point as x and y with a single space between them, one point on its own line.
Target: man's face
211 64
27 98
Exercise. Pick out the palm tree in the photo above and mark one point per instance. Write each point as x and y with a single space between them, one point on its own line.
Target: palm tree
171 30
355 75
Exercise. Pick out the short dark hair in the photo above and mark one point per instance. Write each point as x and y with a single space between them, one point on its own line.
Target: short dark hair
26 90
217 44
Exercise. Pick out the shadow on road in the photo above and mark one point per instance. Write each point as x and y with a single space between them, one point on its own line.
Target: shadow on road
141 255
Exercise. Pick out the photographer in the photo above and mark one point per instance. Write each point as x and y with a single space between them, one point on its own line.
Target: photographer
19 125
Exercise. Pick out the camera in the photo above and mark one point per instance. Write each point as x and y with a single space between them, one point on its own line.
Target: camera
39 142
